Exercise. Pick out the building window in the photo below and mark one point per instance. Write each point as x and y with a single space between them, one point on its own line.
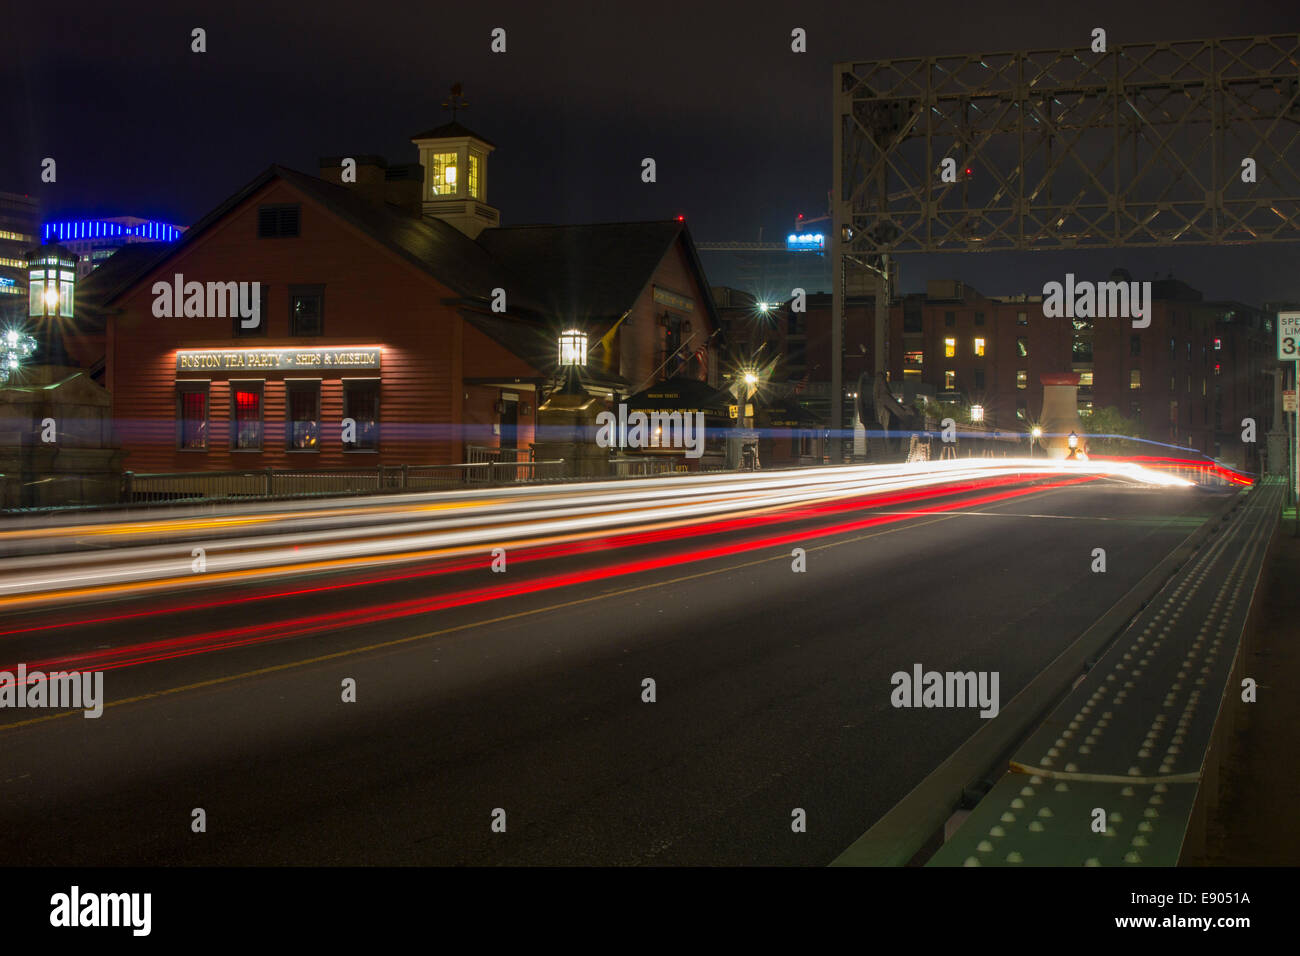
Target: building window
1022 318
1135 378
1189 384
979 348
1173 383
473 176
912 318
1022 347
1022 378
950 319
1085 380
307 310
914 359
1189 351
979 318
192 416
66 280
1135 345
1218 369
302 403
277 222
442 174
246 410
1021 408
1085 409
979 378
1202 385
949 348
361 407
1082 349
949 380
1218 344
263 313
1173 348
1135 410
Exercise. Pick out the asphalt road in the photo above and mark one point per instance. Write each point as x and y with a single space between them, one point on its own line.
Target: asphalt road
772 693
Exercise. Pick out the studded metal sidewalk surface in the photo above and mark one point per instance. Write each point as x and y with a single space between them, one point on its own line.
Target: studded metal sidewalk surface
1132 737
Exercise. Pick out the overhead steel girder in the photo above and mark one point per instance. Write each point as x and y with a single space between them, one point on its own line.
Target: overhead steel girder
1142 145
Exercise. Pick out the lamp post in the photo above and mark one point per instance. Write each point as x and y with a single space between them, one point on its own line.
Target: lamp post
573 348
1035 433
51 297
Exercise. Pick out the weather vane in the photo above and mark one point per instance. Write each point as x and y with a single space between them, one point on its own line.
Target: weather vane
455 101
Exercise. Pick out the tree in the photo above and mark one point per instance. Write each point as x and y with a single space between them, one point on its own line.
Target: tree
1109 432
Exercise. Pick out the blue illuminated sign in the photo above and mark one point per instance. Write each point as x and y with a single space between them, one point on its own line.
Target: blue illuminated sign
97 228
6 281
805 241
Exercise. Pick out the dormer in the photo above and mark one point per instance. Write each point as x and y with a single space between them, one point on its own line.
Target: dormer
455 178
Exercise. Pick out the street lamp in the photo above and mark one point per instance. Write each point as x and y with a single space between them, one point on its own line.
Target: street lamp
51 282
1073 440
1035 433
977 413
573 348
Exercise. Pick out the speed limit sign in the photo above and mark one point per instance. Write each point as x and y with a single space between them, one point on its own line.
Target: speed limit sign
1288 336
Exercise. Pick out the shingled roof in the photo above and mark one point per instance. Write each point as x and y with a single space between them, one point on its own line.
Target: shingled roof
589 273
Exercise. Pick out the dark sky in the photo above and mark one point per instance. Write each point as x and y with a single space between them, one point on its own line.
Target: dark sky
739 125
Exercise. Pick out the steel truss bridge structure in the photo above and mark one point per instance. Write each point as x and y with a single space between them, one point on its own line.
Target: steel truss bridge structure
1142 145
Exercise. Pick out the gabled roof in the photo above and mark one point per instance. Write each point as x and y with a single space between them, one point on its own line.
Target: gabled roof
554 274
451 130
431 245
591 273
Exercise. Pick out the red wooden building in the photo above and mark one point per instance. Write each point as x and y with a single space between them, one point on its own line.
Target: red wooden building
398 323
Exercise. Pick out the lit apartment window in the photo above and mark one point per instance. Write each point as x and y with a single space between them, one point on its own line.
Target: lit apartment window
246 410
979 348
1022 378
1022 318
913 359
949 380
1085 380
1022 347
1218 344
1135 378
949 348
1218 369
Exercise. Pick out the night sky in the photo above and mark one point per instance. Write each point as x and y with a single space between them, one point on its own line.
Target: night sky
739 125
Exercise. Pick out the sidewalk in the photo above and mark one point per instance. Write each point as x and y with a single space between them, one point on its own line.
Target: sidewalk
1256 821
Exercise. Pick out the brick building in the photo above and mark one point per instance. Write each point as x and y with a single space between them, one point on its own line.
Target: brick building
1188 379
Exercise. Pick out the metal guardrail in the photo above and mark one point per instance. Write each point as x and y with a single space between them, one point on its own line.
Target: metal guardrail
898 836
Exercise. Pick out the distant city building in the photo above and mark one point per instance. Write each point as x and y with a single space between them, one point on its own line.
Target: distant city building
1188 379
94 240
18 234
